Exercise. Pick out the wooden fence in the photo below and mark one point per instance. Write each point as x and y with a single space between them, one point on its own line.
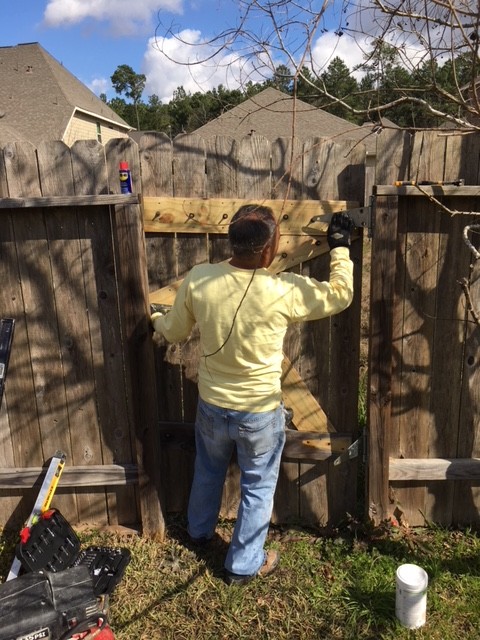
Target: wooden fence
80 376
424 408
85 377
73 273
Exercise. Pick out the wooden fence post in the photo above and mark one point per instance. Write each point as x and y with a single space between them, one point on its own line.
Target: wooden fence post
130 257
380 376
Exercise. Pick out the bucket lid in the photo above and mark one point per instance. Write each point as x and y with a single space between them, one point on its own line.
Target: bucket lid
412 577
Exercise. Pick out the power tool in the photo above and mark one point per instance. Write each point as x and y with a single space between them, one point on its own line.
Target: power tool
41 605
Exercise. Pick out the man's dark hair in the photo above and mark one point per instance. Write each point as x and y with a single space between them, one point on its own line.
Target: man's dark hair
250 229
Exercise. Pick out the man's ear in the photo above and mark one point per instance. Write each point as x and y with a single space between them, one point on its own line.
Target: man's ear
265 260
269 252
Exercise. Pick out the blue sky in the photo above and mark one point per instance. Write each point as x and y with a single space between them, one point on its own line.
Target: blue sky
92 37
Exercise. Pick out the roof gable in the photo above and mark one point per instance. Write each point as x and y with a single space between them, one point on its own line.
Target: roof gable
38 96
274 114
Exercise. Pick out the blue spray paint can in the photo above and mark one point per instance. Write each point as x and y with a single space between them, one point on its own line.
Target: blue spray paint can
125 178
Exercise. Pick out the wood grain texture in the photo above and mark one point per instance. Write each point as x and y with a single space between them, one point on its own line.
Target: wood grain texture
422 469
380 376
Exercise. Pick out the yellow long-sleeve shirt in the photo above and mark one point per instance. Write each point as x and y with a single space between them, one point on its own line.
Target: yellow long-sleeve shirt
243 317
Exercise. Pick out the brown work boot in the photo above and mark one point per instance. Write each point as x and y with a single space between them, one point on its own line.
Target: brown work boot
268 567
270 564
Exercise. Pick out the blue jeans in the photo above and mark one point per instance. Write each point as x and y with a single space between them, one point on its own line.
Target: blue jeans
259 438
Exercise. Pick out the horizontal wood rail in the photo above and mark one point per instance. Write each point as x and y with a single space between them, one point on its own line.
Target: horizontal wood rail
403 469
307 446
427 190
300 445
82 476
68 201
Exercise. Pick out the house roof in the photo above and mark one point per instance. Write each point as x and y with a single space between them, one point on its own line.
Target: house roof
270 114
38 96
10 135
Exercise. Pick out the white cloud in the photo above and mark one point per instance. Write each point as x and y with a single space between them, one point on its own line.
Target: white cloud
124 16
415 39
99 85
353 51
330 46
170 63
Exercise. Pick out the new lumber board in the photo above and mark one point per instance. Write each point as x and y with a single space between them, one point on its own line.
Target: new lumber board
292 250
308 415
213 215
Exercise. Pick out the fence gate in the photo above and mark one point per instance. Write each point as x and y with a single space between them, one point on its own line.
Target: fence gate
424 390
186 215
319 439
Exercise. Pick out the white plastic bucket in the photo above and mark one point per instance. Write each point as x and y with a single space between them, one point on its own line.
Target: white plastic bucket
411 595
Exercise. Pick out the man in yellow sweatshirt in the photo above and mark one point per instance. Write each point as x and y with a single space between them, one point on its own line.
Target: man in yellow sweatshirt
243 312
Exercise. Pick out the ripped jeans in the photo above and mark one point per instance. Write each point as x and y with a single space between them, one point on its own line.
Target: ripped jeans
259 439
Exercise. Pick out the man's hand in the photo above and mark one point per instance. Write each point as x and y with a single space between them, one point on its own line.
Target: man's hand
157 311
159 308
339 230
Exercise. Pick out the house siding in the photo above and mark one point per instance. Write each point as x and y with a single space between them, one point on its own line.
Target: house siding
84 127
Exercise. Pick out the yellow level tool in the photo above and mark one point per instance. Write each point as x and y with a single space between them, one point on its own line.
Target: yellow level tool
42 503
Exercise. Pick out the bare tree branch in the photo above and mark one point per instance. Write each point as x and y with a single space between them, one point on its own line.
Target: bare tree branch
466 231
470 306
423 35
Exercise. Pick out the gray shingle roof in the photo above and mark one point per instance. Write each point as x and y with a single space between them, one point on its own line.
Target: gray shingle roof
38 96
270 114
8 134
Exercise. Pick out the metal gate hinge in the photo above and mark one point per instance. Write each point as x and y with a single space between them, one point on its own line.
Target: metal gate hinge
350 453
361 216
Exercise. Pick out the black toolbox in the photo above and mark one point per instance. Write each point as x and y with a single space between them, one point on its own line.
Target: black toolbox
51 544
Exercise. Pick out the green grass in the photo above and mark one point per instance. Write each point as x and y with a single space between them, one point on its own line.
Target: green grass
337 587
